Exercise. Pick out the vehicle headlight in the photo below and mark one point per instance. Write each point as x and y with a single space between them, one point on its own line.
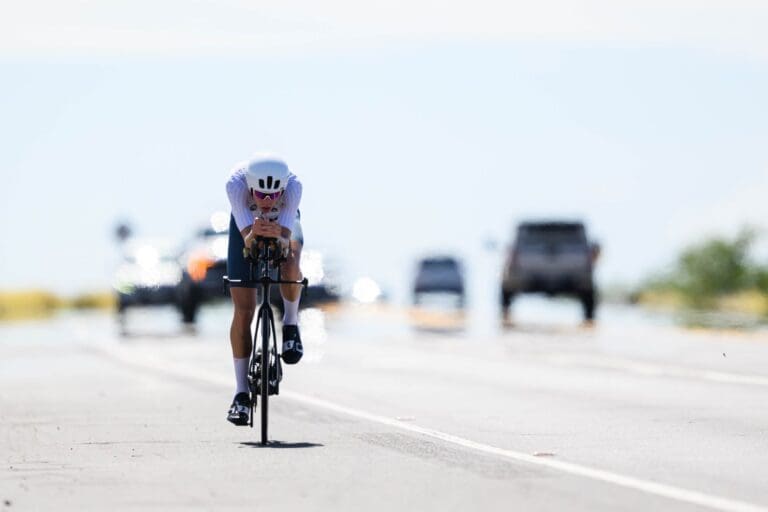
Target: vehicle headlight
220 248
147 256
366 290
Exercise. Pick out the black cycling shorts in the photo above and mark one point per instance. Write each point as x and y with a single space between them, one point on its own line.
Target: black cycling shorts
237 266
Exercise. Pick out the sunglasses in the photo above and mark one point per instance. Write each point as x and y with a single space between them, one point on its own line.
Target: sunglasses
262 195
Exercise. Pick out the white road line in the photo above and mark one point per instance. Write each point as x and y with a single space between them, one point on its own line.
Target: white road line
667 491
653 369
637 484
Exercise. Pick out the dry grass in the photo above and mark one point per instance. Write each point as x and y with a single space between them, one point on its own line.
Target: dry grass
27 304
662 299
748 302
93 300
24 304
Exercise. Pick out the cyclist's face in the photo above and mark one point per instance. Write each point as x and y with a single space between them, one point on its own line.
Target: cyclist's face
266 202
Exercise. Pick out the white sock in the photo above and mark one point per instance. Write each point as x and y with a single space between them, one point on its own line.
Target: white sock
241 374
291 316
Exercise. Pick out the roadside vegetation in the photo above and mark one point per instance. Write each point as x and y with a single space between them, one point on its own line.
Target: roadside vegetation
718 274
27 304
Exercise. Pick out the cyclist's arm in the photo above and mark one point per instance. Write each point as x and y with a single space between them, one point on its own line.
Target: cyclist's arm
245 232
290 208
284 232
266 229
237 192
249 234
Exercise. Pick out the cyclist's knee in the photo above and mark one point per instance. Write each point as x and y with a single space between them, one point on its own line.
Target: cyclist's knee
245 313
244 300
291 267
243 319
291 272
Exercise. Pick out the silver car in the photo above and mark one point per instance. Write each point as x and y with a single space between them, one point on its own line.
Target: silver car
439 275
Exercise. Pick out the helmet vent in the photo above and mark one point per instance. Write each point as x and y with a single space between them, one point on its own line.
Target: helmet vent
277 184
269 181
261 183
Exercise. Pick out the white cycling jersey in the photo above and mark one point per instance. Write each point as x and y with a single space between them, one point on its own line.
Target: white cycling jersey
244 209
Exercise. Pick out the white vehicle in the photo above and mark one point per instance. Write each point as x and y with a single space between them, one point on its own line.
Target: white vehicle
148 274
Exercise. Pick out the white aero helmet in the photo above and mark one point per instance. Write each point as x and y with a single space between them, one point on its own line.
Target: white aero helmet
266 174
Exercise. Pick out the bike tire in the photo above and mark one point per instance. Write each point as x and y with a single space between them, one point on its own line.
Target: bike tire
253 373
264 391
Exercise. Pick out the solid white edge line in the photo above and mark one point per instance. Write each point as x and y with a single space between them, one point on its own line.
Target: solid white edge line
647 486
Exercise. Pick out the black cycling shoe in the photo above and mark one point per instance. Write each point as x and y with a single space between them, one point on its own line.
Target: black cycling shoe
292 348
240 411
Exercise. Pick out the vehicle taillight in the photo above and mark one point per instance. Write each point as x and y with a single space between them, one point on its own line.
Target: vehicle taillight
198 266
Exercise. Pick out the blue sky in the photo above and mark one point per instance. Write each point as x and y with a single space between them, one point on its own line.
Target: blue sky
405 146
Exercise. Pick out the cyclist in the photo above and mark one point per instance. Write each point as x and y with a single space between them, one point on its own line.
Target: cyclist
265 197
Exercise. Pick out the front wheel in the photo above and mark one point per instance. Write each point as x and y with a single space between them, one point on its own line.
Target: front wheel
264 388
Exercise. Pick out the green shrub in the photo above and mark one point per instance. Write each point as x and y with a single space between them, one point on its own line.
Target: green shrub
707 272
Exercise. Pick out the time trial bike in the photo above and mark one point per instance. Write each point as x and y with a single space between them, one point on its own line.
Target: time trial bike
265 370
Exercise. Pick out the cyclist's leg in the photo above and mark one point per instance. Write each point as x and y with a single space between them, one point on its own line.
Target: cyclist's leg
290 270
244 301
240 336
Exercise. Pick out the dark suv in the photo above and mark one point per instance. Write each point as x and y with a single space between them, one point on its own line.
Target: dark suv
554 258
439 275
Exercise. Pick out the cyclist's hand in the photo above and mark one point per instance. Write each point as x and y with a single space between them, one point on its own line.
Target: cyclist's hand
248 240
262 227
285 246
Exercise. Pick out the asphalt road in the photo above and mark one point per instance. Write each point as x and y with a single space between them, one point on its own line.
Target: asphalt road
389 410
